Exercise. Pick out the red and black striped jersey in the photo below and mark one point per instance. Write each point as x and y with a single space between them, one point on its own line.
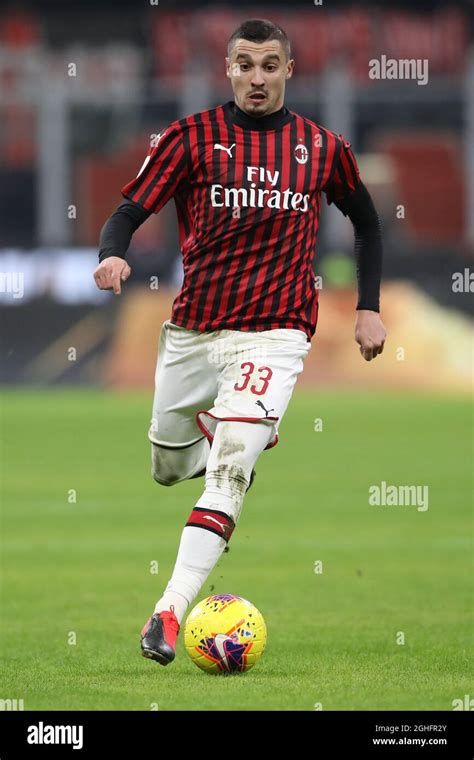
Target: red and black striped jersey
247 192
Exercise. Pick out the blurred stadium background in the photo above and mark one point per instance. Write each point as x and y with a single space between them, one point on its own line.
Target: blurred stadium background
83 87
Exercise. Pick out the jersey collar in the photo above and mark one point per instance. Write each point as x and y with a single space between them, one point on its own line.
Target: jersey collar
276 120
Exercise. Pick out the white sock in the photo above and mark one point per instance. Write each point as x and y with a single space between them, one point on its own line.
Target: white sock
169 598
200 549
198 553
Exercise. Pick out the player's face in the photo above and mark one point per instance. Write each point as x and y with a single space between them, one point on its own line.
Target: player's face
258 72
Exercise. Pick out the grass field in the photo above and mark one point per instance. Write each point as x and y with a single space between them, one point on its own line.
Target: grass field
84 566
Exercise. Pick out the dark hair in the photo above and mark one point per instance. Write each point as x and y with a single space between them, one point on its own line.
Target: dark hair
259 30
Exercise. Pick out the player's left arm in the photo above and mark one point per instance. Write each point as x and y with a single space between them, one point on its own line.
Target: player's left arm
350 195
370 332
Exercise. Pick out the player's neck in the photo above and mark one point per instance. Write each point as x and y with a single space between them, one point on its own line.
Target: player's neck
274 120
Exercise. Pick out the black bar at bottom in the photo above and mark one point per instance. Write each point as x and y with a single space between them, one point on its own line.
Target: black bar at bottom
215 733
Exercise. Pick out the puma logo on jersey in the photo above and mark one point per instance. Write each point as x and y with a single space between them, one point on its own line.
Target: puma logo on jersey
218 146
267 411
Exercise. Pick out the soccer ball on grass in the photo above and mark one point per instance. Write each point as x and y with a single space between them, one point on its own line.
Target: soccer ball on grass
225 634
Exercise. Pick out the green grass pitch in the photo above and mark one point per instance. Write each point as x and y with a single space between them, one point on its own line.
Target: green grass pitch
83 566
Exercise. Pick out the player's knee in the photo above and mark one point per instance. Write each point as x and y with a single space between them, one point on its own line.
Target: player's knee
156 474
159 480
164 469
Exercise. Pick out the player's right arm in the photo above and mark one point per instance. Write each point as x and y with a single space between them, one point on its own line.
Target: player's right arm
115 239
163 169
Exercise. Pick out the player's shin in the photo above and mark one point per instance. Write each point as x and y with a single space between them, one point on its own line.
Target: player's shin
204 537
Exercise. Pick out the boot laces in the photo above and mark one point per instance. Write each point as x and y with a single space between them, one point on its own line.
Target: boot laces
171 619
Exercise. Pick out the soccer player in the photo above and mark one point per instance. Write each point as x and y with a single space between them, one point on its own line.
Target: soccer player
246 178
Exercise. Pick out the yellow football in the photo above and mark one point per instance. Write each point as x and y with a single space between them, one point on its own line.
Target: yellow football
225 634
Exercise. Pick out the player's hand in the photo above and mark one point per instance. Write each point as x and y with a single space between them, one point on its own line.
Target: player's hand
110 274
369 333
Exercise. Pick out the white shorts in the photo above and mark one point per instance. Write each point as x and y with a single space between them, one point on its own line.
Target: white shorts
204 377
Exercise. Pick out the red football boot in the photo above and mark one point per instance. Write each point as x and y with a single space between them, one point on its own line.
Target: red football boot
159 635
